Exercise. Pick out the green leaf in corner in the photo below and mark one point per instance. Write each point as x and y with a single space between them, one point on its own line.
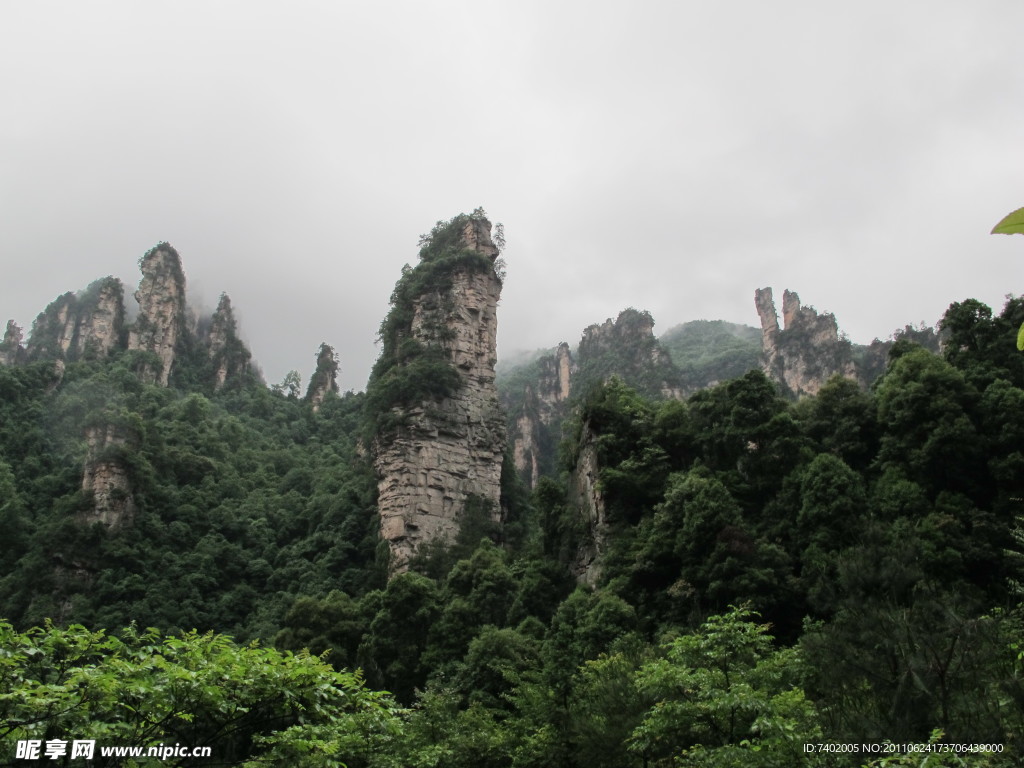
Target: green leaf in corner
1012 223
1020 338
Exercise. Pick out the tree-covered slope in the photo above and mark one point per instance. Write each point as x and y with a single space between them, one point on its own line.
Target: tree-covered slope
711 351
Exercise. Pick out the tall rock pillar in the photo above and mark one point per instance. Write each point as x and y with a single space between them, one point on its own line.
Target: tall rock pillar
161 297
440 436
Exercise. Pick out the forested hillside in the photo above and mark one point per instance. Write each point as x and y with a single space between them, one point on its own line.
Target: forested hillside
715 581
711 351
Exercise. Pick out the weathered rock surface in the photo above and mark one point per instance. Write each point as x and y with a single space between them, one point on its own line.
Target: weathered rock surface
88 324
446 457
100 319
808 351
161 320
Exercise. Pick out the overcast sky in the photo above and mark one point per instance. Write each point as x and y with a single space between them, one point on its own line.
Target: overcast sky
670 156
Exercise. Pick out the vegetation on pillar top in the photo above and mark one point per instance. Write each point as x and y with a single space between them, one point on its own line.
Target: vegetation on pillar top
412 370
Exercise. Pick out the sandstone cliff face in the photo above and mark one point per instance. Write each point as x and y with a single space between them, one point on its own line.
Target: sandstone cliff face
324 380
161 321
556 373
106 476
101 319
88 324
808 351
447 453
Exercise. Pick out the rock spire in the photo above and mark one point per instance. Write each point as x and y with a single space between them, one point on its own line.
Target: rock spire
229 357
324 380
161 321
439 438
807 351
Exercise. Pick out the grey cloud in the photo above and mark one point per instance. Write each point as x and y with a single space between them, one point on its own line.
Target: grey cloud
669 156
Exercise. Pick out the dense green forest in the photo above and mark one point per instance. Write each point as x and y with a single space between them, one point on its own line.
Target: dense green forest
845 570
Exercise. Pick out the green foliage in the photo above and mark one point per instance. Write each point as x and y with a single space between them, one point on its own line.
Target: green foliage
1011 223
925 409
143 688
391 652
725 697
982 345
894 667
244 499
421 373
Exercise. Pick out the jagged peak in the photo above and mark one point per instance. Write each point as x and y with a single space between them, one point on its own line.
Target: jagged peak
807 351
162 256
464 232
82 323
629 320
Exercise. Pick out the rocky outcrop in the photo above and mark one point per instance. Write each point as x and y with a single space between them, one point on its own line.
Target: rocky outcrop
91 324
74 326
324 380
11 350
161 320
628 349
229 357
106 476
438 453
807 351
100 319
